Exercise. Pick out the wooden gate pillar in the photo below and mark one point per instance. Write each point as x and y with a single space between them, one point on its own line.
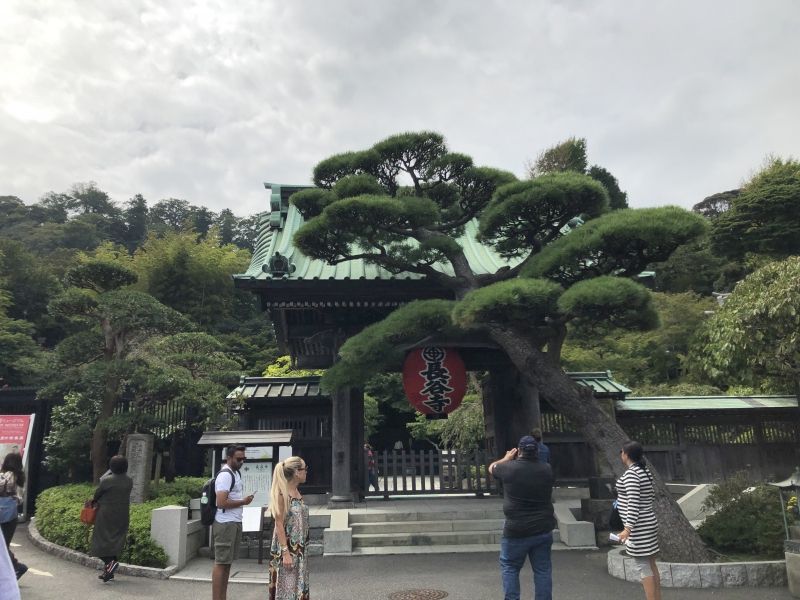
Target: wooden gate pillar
341 443
510 407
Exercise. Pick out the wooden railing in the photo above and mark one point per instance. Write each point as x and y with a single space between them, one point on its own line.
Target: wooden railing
416 472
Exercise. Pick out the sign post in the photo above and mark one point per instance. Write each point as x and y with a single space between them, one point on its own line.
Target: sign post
15 436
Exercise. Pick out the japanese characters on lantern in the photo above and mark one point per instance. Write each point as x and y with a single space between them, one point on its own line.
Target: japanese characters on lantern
434 380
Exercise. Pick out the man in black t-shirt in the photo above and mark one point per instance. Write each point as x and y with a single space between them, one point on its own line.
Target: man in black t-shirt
528 507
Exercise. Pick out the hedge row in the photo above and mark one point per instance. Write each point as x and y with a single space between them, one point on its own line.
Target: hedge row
58 518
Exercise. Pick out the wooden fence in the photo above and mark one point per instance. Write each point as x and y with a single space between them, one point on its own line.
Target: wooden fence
417 472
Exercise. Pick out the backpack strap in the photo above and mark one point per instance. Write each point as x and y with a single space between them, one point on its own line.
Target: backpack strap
233 479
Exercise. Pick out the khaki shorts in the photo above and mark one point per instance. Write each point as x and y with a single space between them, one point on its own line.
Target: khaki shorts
227 537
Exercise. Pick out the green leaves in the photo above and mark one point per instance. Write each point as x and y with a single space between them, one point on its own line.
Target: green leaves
754 338
74 303
370 223
357 185
569 155
609 301
330 170
131 314
619 243
311 202
524 216
378 347
765 217
100 276
525 302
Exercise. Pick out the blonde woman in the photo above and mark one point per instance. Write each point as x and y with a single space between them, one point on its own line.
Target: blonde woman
288 567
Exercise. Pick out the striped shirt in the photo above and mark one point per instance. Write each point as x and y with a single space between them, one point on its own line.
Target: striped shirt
636 494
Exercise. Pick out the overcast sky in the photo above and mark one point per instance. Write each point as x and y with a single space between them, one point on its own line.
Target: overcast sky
205 100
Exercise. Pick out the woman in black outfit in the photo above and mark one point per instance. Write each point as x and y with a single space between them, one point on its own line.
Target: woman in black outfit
113 498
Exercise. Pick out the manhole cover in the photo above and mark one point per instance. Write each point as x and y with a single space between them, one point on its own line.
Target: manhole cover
418 595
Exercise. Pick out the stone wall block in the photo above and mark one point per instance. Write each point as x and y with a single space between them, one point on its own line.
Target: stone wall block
631 572
710 576
734 575
665 573
685 575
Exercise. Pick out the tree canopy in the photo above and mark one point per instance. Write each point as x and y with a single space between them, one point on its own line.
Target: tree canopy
404 204
764 217
571 155
20 353
564 273
754 338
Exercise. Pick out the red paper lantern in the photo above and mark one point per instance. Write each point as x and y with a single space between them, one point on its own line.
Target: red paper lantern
434 380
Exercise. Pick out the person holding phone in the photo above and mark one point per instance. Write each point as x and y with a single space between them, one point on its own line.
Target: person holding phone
530 518
288 566
227 528
636 499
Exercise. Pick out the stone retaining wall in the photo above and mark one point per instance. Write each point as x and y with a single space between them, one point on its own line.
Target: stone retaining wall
704 575
92 562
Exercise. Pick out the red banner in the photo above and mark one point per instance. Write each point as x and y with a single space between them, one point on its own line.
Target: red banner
14 431
434 380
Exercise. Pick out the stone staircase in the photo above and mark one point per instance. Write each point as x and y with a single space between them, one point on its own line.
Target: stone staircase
429 532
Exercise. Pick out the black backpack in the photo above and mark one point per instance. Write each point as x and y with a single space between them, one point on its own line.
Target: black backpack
209 510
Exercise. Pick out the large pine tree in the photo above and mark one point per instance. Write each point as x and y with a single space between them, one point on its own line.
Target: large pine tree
403 204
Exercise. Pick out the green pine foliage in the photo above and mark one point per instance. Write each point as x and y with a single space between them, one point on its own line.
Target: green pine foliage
379 347
623 243
528 215
312 201
764 217
529 301
609 302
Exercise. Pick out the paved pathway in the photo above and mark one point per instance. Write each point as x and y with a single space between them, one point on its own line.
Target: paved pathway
578 576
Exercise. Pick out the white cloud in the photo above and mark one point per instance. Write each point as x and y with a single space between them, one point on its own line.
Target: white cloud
205 100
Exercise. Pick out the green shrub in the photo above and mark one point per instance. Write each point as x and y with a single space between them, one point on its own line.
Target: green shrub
140 548
182 486
749 522
58 511
58 519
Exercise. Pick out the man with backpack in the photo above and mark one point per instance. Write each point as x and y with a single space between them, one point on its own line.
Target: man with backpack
227 527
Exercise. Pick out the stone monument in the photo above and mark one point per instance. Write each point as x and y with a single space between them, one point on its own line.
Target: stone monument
139 452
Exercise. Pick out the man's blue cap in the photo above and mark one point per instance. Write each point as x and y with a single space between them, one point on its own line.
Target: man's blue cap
526 442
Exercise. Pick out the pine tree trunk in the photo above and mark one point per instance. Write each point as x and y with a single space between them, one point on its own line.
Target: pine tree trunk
99 449
679 541
100 433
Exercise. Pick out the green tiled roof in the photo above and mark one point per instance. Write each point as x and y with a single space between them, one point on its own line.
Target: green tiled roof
668 403
601 382
277 227
278 387
309 387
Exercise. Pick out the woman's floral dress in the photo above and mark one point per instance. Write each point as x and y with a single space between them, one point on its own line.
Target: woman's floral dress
291 584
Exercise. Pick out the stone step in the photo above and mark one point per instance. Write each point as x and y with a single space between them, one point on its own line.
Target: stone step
492 525
432 538
364 536
443 549
384 517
